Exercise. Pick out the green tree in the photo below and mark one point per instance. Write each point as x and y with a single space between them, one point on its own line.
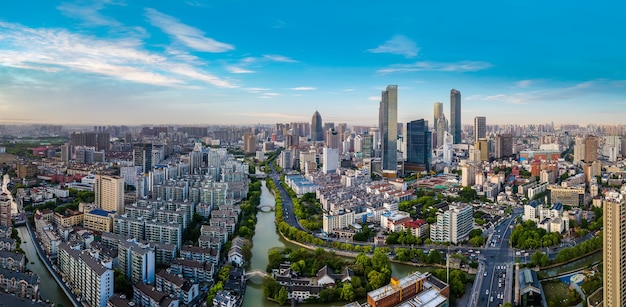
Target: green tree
376 279
539 258
347 293
281 297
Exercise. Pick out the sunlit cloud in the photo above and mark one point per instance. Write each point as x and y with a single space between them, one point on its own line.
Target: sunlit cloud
238 70
187 35
303 88
54 50
279 58
398 44
524 83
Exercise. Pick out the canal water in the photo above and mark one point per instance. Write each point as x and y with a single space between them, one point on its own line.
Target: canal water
266 238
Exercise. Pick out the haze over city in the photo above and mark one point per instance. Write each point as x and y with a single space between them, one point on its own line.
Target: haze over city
244 62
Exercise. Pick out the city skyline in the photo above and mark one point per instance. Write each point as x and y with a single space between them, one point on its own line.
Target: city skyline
198 62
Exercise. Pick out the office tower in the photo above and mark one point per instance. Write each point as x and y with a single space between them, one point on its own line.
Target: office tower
613 251
418 144
109 193
142 156
5 210
441 128
317 132
455 115
480 128
332 138
591 148
482 146
368 146
388 125
330 157
503 146
437 114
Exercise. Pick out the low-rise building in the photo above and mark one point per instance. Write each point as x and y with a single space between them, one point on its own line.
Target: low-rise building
195 271
145 295
12 261
179 288
99 220
20 284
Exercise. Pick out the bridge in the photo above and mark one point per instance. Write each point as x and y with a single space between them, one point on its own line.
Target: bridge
266 207
256 273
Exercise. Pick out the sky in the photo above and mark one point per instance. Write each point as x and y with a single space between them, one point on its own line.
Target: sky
114 62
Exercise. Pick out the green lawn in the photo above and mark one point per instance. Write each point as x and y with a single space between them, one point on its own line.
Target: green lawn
558 294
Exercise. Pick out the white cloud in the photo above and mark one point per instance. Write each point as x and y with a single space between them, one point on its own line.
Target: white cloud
462 66
524 83
256 90
398 44
124 59
303 88
90 14
278 58
349 90
373 98
238 70
187 35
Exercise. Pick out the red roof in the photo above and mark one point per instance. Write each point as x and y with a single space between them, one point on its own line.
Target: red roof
415 224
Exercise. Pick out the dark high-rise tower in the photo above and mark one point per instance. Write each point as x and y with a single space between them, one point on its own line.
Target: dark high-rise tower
388 125
480 128
455 115
317 132
418 144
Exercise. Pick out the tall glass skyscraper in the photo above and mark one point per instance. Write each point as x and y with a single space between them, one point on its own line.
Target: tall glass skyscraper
437 113
317 132
418 143
455 115
480 128
388 125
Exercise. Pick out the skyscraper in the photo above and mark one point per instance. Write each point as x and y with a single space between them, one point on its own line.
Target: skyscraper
455 115
142 156
614 225
317 132
418 144
480 128
109 192
388 125
441 129
437 114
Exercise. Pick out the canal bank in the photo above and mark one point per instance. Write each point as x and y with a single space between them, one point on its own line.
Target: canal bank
267 238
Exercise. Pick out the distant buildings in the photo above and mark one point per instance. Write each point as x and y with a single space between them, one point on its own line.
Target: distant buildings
551 219
455 116
388 125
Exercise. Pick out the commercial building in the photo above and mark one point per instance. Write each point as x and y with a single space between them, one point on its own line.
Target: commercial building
98 220
613 251
503 146
330 157
482 146
109 192
438 112
569 196
317 130
418 146
591 148
388 125
417 289
455 116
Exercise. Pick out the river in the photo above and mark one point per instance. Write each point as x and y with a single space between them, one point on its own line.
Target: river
266 238
48 288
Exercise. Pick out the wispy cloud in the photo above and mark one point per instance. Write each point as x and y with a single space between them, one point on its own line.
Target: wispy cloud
187 35
398 44
462 66
123 59
553 94
524 83
303 88
279 58
256 90
238 70
373 98
268 95
89 14
349 90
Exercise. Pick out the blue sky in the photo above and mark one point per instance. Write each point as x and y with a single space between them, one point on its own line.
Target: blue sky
243 62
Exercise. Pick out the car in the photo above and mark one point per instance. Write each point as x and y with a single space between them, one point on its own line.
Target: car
485 274
486 292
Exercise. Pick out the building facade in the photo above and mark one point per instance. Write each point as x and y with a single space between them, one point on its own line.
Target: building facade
388 125
455 115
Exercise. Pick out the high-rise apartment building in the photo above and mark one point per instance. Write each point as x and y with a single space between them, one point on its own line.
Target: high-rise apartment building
65 153
333 138
330 157
109 192
482 146
613 251
455 115
453 225
438 112
317 132
480 128
503 146
591 148
388 125
142 156
90 277
5 210
418 144
249 142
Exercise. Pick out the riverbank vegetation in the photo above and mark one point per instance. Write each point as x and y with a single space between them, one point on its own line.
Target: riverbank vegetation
369 273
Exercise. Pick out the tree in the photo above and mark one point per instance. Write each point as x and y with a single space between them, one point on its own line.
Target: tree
347 293
376 279
539 258
281 297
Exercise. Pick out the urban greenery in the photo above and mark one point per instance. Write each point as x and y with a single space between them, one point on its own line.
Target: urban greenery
526 235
